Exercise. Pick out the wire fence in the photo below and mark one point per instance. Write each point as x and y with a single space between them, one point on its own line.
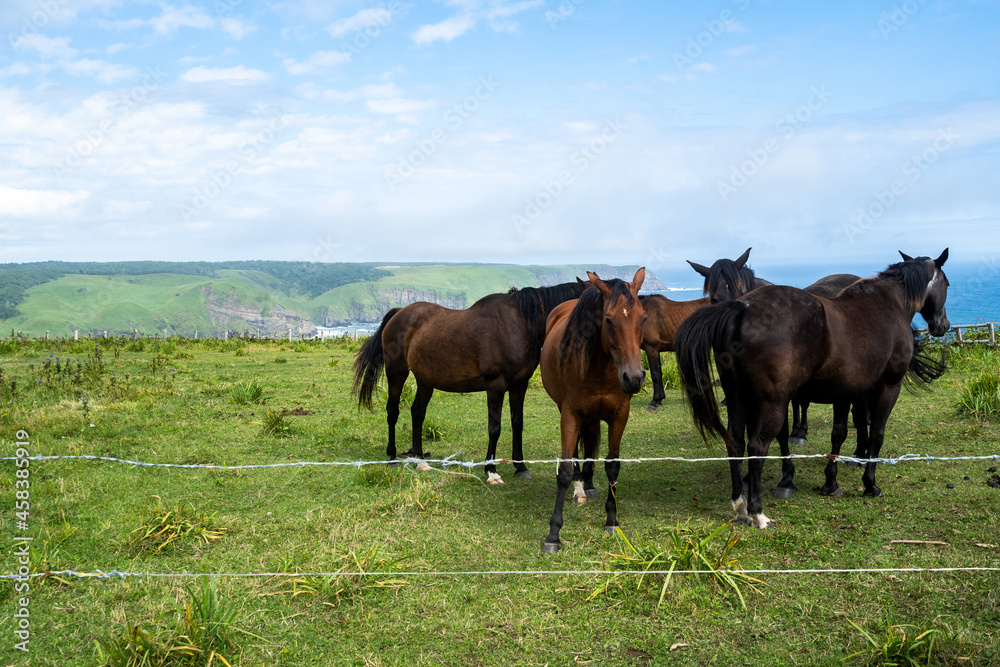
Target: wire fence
453 461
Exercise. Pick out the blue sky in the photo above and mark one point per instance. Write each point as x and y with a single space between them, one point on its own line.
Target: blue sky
525 131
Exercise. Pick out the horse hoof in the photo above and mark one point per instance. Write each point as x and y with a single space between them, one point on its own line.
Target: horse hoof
523 474
550 547
652 407
785 491
798 441
590 493
873 492
394 463
610 529
835 493
743 520
491 478
580 500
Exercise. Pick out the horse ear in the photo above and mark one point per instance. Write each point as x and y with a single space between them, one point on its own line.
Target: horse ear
741 260
906 258
582 283
596 281
939 262
636 284
703 270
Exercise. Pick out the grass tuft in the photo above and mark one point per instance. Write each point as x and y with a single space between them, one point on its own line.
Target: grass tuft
247 392
686 551
275 423
980 396
901 645
175 525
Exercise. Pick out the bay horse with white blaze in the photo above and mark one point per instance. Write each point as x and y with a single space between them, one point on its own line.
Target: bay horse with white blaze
777 342
492 346
591 366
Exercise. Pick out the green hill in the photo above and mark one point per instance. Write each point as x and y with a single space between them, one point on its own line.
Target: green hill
267 297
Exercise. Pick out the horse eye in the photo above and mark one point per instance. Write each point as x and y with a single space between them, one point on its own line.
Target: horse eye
607 320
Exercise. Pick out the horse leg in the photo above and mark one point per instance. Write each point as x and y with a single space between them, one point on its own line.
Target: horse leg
837 436
737 429
786 487
859 414
569 428
656 373
880 403
800 423
769 423
590 436
494 403
616 428
417 412
395 378
517 430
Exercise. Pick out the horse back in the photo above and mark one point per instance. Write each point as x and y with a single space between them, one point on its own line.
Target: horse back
663 316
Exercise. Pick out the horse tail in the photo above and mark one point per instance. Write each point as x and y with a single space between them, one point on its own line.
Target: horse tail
712 327
368 364
923 368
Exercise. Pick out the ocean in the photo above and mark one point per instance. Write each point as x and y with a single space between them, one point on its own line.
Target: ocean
973 291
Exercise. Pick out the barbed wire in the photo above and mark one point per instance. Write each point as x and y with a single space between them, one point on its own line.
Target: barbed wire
451 461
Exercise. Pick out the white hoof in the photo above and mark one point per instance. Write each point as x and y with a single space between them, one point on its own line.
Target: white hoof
422 466
740 507
493 478
579 495
762 522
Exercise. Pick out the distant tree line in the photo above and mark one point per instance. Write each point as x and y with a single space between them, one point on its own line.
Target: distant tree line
307 278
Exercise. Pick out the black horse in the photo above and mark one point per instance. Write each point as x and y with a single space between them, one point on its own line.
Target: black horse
728 279
778 342
491 346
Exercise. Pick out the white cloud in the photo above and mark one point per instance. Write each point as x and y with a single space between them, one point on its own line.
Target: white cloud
361 20
47 47
237 28
238 74
102 70
318 60
174 18
446 30
18 203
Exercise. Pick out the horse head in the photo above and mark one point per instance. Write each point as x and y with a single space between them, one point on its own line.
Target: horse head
621 327
727 279
932 308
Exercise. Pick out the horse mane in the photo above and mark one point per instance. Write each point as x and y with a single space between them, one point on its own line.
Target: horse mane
584 324
911 275
726 272
534 303
923 368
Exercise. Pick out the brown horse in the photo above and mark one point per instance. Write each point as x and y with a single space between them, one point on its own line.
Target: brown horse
491 346
591 366
777 342
663 316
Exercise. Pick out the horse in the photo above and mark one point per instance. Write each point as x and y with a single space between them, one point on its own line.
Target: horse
663 317
491 346
777 342
728 279
828 286
591 366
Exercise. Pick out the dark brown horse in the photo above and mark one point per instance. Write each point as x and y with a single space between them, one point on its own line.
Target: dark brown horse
663 316
728 279
591 366
777 342
827 287
492 346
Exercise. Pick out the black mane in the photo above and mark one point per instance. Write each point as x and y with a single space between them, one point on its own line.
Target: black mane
534 303
584 325
725 271
913 275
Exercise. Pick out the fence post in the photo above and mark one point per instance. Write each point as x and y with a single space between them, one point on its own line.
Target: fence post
289 335
46 335
993 334
76 334
164 334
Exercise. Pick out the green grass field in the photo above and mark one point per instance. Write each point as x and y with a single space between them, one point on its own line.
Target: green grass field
207 402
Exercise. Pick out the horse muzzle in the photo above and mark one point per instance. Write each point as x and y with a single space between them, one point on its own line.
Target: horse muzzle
632 381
